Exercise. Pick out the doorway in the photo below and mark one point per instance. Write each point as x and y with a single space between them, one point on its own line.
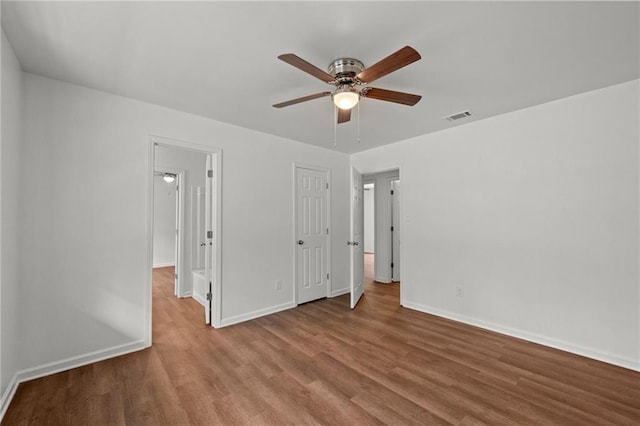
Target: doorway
197 169
168 223
382 225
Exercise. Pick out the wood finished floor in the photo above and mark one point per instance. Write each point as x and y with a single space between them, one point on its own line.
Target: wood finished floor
324 364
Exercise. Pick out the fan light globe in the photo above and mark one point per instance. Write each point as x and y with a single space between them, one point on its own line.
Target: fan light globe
345 98
169 178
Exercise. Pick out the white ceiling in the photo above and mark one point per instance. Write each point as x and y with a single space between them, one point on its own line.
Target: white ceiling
219 60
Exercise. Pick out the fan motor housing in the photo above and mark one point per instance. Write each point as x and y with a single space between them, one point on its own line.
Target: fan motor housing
345 68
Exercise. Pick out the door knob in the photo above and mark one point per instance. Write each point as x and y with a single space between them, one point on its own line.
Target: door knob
355 243
300 242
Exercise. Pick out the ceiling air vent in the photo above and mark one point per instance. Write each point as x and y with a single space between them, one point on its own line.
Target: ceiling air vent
458 116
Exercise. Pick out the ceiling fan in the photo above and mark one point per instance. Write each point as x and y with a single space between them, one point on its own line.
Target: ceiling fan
350 78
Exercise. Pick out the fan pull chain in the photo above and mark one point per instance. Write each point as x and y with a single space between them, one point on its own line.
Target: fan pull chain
335 126
358 135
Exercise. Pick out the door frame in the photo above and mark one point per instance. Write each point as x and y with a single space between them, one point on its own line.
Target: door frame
216 154
396 233
327 173
180 207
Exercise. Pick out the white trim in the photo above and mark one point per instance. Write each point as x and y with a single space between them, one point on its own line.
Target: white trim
187 294
199 299
64 365
383 280
256 314
596 354
403 226
327 173
164 265
8 395
340 292
149 217
216 153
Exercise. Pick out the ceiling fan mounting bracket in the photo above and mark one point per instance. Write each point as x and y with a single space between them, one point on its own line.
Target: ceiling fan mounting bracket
345 70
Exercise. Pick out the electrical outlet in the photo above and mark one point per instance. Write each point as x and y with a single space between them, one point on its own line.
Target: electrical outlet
459 292
278 284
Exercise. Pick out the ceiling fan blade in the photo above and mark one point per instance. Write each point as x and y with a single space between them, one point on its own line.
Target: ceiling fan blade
302 99
391 96
305 66
403 57
344 115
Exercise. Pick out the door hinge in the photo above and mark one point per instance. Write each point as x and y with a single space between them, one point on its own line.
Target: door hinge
392 264
392 192
209 296
392 229
177 188
327 276
176 276
209 234
327 231
210 173
327 185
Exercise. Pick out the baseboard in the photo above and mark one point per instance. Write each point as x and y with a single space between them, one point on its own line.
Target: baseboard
201 300
64 365
256 314
186 294
163 265
531 337
339 292
7 396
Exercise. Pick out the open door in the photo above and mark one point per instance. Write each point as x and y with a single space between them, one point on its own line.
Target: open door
395 231
356 243
208 248
176 254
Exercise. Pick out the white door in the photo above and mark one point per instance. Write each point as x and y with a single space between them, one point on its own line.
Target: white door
201 228
311 234
395 227
177 254
356 243
208 239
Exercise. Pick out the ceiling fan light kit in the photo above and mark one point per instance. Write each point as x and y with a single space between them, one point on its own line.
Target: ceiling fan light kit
346 97
349 74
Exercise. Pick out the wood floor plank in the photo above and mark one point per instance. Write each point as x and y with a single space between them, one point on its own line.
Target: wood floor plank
323 363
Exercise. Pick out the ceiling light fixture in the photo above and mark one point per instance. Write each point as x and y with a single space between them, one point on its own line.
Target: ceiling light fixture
169 177
345 97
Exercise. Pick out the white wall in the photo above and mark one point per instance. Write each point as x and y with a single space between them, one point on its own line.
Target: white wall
88 245
164 222
369 219
12 101
534 215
